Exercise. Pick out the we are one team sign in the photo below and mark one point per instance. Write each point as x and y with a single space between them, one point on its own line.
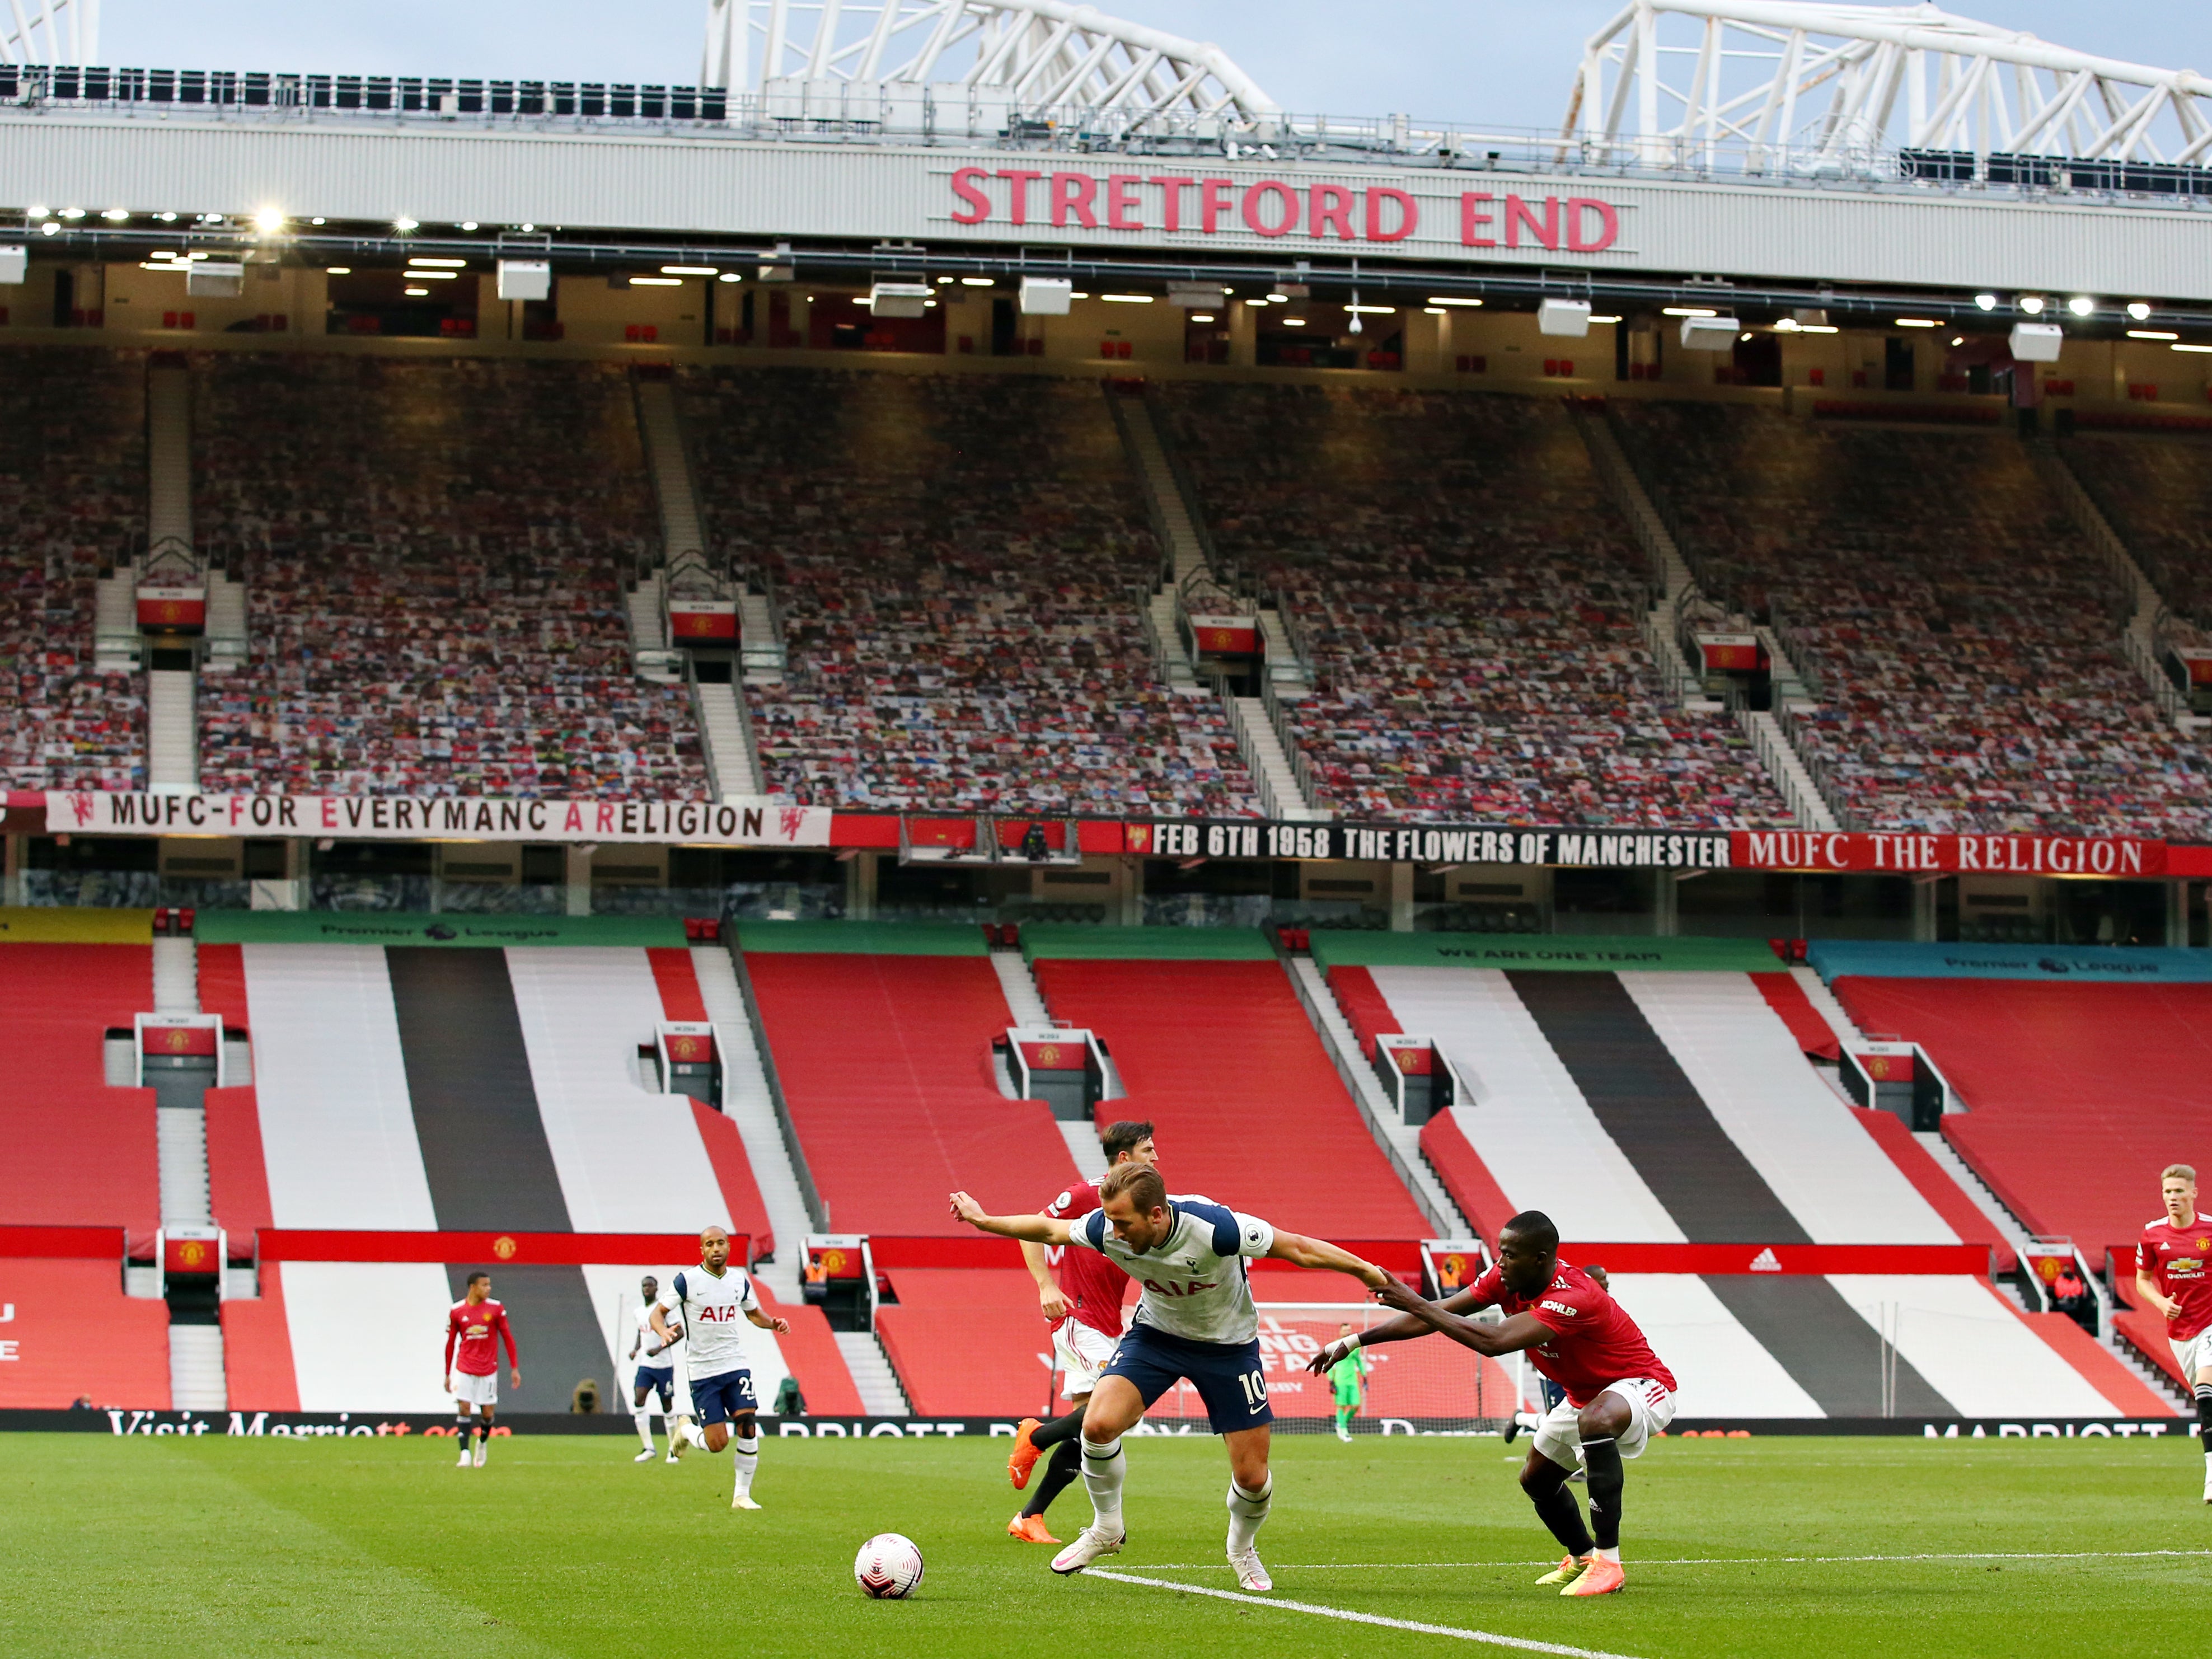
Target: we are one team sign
1318 214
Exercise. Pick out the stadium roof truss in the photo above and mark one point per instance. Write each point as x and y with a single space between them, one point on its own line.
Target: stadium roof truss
1784 86
50 31
816 56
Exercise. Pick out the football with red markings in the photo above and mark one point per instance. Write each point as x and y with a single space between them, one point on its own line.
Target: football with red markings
887 1567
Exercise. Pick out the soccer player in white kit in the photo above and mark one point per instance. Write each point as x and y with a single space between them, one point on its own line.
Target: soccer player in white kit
1195 1319
655 1374
707 1302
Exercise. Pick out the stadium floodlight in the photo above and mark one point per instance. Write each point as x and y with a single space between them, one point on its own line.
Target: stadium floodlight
1710 333
1201 317
1570 318
2138 311
466 224
690 271
1453 300
731 276
2031 304
337 270
72 213
216 279
267 221
1126 299
436 263
897 298
1046 296
51 228
1605 320
526 279
1986 301
635 281
2193 348
2081 305
1920 322
2152 334
14 263
1688 311
2037 342
415 293
404 223
116 215
975 281
36 212
170 218
1294 322
779 273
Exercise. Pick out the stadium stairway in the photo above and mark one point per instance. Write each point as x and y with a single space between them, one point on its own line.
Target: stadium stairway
1222 1055
1026 1003
171 694
884 1061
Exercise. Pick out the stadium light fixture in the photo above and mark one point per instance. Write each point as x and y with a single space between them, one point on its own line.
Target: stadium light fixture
432 276
1452 300
116 215
2152 334
1569 318
1746 334
1373 311
1688 311
2036 343
2031 304
72 213
690 271
977 282
1047 296
36 212
267 220
1605 320
1920 322
1294 322
731 276
656 282
2081 305
1986 301
51 228
170 218
1126 299
403 223
525 229
1958 339
2193 348
525 279
1201 316
429 262
415 293
338 270
1434 311
2138 311
945 282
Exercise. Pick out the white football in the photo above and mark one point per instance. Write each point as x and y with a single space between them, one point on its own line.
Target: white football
887 1567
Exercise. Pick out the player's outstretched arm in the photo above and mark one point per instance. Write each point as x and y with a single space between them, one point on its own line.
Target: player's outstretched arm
1508 1336
1037 1229
1050 1302
1403 1328
1302 1252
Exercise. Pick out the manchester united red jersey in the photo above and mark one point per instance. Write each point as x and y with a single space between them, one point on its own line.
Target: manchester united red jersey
2175 1258
473 1334
1595 1344
1092 1283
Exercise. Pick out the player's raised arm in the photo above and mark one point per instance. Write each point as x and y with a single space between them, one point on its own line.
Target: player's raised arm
1050 1299
1510 1336
1403 1328
1037 1229
1302 1252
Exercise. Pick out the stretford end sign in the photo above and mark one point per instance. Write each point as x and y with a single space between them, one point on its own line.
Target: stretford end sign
768 823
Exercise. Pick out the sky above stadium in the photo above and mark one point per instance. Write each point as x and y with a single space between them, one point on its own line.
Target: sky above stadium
1477 62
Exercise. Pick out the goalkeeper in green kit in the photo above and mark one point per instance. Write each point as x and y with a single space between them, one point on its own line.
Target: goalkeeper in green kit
1349 1378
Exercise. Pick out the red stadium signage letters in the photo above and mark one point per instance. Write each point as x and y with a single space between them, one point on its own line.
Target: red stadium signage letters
1176 203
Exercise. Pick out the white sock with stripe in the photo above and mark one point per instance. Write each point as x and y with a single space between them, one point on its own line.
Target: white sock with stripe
1104 1471
748 1451
1247 1510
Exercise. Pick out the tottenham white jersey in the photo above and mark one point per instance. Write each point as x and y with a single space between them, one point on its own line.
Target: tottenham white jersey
671 1355
713 1314
1195 1285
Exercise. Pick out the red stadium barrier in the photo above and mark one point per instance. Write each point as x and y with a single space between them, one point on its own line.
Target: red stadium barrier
1782 1259
570 1249
63 1243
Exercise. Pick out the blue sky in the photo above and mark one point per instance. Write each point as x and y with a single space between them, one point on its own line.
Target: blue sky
1476 62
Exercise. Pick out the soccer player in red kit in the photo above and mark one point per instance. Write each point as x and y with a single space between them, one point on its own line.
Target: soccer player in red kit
2170 1277
1617 1392
473 1332
1085 1307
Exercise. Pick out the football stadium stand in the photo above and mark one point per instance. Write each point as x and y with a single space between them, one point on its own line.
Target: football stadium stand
1470 597
964 627
72 506
2153 491
884 1061
1962 639
434 554
2074 1090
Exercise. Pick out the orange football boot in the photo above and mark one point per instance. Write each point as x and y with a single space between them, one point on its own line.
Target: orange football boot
1600 1577
1031 1529
1025 1453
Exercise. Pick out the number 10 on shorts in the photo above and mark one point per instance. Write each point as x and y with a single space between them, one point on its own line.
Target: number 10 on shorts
1255 1389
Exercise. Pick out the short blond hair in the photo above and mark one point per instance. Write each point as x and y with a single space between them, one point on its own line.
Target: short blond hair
2178 1172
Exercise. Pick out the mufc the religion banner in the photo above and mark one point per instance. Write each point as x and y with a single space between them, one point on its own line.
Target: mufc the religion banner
402 817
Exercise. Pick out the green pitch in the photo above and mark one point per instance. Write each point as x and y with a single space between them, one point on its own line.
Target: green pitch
563 1545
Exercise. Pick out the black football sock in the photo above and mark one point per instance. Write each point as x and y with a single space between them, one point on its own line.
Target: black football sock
2204 1417
1557 1509
483 1428
1066 1463
1059 1429
1601 1458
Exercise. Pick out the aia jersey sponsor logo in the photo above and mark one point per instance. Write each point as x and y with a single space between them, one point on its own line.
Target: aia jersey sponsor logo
721 1315
1189 1287
1560 1307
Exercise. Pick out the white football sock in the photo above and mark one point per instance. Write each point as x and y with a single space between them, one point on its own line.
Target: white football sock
691 1434
1103 1469
1247 1510
748 1451
644 1421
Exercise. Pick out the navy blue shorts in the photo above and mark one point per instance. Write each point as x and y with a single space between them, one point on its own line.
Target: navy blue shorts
1228 1375
719 1399
661 1379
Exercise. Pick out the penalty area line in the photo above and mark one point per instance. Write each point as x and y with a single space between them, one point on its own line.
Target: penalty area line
1523 1644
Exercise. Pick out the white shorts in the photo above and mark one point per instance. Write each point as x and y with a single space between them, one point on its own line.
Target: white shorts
2194 1355
1082 1354
469 1389
1650 1408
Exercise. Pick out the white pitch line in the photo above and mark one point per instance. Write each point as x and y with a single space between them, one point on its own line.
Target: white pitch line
1526 1645
1708 1560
